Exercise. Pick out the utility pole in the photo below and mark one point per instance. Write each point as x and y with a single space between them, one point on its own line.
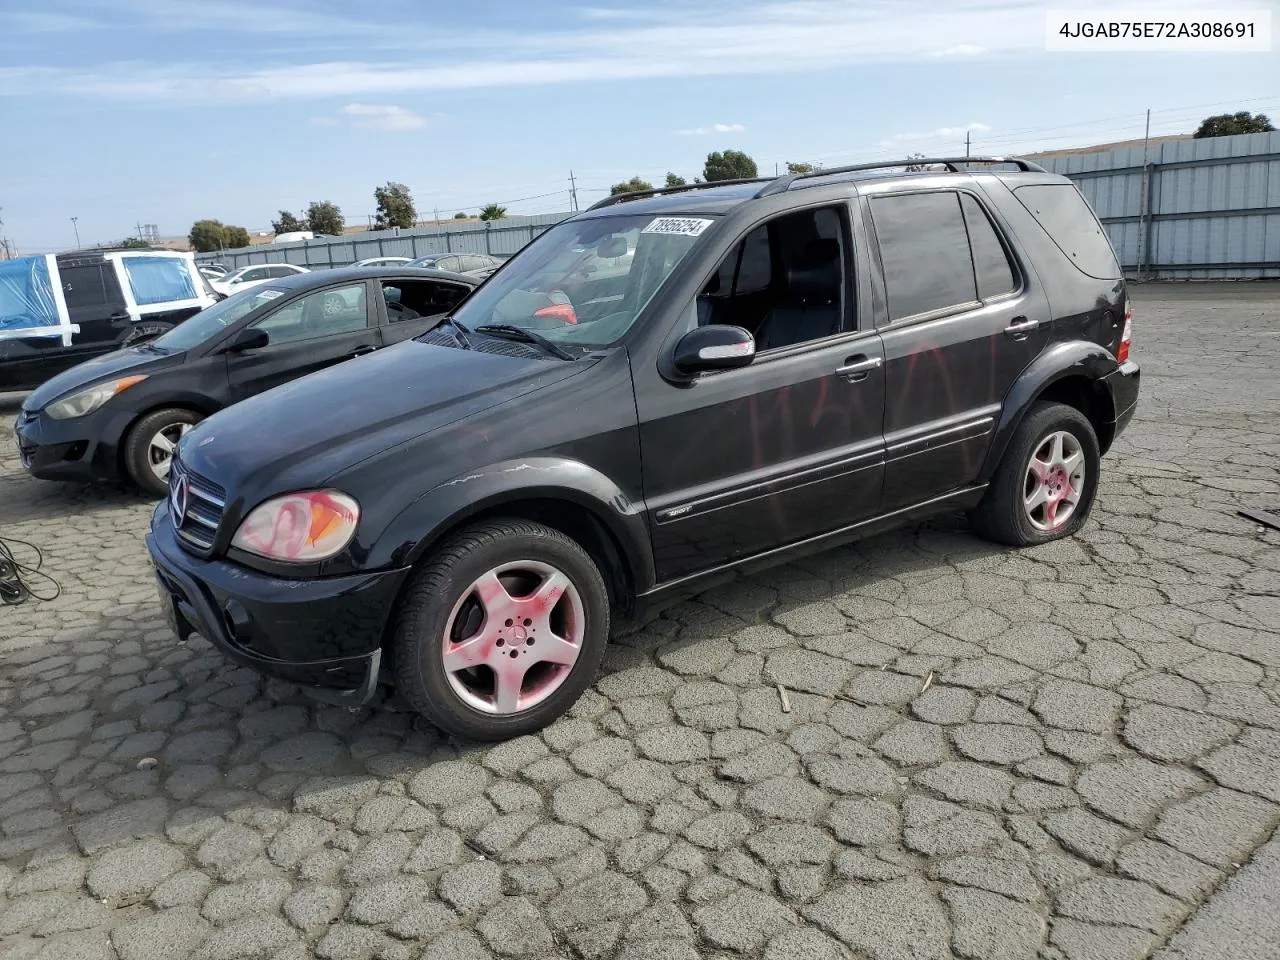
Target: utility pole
966 144
76 227
573 191
1143 194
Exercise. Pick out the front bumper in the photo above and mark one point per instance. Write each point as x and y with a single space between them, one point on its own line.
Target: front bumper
324 633
1124 383
83 448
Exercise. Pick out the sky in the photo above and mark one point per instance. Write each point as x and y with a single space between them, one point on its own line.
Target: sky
117 112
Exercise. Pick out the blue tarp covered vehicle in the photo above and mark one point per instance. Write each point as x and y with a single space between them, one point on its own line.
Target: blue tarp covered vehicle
59 310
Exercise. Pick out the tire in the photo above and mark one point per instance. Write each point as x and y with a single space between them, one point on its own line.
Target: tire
441 613
144 331
1004 516
141 461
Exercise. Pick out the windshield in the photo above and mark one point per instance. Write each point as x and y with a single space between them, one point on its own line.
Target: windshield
584 282
211 321
424 262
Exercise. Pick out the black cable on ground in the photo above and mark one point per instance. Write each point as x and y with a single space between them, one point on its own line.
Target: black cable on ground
16 578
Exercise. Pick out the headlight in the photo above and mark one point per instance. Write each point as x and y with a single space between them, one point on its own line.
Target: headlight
299 527
87 401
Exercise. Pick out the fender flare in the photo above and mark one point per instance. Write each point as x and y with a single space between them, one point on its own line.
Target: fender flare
412 533
1073 358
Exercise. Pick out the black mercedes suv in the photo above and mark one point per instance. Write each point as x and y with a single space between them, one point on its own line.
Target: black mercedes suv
665 390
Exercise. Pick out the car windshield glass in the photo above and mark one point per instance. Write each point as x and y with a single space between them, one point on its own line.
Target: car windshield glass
213 320
584 282
423 262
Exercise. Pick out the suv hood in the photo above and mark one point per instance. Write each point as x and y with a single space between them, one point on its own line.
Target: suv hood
118 363
303 432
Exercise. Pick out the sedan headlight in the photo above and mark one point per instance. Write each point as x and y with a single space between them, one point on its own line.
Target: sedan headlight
299 527
89 400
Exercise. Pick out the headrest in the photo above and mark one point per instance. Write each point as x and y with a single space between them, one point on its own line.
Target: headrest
814 275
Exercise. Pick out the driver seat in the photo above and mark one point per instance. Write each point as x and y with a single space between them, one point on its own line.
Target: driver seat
811 309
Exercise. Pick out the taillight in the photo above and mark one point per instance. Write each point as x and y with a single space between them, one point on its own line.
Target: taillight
1122 353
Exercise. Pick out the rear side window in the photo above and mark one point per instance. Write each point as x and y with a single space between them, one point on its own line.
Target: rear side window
924 249
83 286
990 261
159 279
1066 217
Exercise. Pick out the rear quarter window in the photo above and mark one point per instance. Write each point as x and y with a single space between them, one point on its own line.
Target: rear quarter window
1066 217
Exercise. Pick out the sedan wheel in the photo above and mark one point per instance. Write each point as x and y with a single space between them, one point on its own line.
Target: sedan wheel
150 445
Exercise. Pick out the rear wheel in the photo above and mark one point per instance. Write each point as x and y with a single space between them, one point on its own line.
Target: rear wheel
1044 487
502 631
148 450
144 331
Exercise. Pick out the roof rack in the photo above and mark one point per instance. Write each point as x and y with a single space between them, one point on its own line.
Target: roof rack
953 165
660 191
776 185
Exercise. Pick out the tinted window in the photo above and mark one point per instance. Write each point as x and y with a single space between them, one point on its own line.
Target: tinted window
924 248
447 263
1065 215
282 271
212 321
755 269
990 261
83 286
257 273
319 314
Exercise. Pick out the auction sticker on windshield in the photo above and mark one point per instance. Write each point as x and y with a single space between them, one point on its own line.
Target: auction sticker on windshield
271 294
678 226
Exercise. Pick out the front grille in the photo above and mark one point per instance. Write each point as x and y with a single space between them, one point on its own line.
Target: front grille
205 501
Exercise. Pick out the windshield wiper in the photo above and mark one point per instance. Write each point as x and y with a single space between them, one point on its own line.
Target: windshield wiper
509 331
461 333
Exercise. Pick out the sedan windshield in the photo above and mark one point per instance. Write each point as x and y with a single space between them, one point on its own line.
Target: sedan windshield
213 320
584 282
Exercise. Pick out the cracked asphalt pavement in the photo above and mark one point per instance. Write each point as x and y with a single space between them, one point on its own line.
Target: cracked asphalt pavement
1071 751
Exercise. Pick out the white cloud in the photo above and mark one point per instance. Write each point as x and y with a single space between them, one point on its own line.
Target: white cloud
364 59
714 128
939 134
387 118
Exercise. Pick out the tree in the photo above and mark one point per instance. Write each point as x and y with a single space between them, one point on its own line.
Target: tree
915 167
493 211
395 206
207 235
133 243
325 217
460 216
675 180
793 167
287 223
634 185
237 237
1229 124
730 165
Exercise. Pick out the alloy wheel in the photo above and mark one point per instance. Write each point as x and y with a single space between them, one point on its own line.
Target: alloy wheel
513 637
1054 481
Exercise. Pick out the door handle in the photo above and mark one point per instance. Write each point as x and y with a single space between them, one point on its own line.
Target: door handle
859 367
1021 327
118 316
361 351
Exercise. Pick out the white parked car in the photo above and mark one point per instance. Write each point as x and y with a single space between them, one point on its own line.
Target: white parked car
251 276
383 262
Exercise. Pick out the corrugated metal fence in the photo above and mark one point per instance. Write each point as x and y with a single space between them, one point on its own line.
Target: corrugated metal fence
1194 210
500 237
1191 209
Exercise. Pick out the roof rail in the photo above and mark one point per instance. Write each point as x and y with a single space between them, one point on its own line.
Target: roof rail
661 191
953 165
775 185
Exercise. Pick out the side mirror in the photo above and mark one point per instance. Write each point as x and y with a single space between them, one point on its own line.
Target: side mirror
715 347
250 338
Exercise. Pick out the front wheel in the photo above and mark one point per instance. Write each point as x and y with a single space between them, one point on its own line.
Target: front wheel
148 449
502 630
1044 487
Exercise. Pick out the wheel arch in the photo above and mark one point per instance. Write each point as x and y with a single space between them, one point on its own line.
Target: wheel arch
1071 373
194 404
565 495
